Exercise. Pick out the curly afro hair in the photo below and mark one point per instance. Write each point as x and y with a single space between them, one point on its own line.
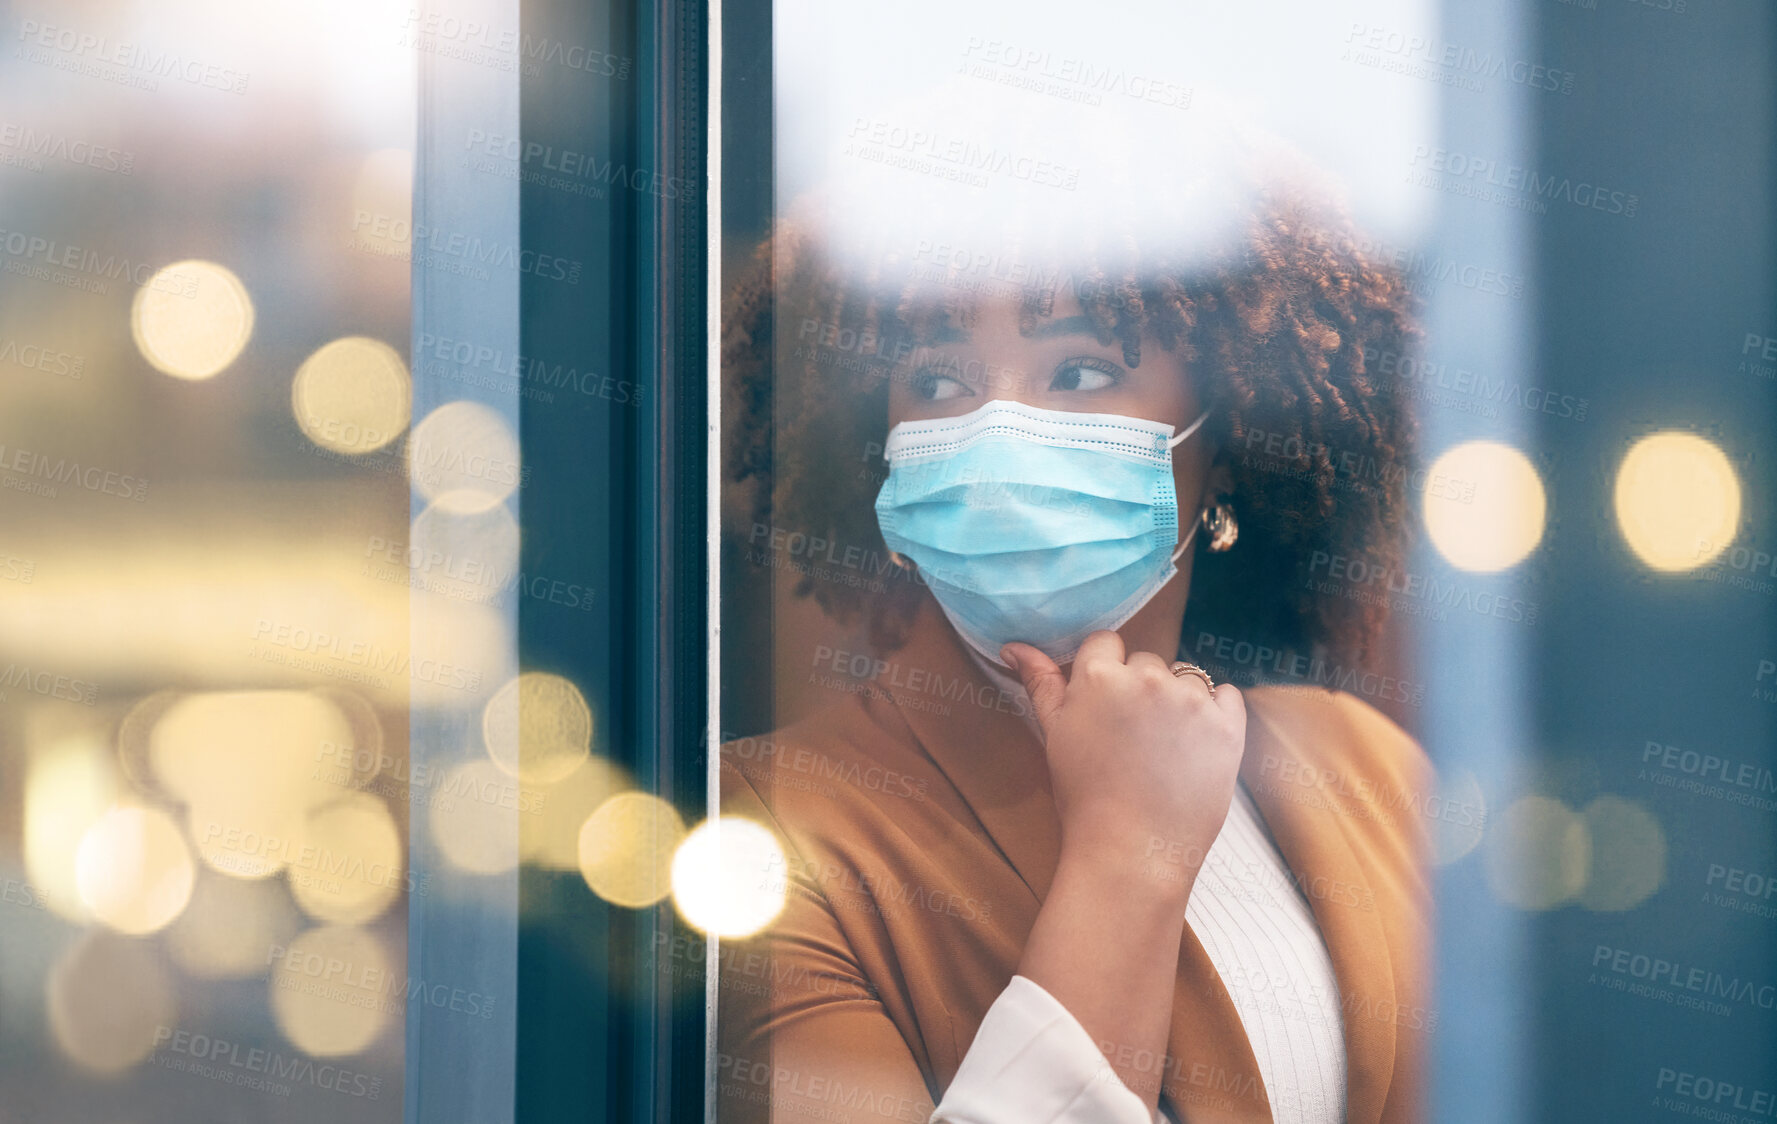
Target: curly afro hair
1281 326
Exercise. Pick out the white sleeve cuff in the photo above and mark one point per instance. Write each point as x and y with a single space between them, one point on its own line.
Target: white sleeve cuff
1033 1063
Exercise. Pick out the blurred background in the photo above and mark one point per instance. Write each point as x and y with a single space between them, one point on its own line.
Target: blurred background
288 821
205 303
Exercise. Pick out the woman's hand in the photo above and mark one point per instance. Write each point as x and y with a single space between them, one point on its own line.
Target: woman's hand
1143 766
1142 763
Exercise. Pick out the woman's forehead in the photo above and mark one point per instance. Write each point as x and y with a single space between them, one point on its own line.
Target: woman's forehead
953 314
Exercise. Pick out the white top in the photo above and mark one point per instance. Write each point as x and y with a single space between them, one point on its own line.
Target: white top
1033 1063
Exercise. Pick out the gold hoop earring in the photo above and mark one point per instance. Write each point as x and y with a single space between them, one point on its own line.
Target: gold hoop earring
1221 526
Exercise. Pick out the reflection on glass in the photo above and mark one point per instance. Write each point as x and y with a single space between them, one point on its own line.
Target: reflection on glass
729 877
353 395
1677 501
332 990
1484 506
133 869
538 728
627 847
108 1000
192 319
204 703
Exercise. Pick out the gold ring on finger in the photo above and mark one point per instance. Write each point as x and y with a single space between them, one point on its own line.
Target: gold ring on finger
1180 668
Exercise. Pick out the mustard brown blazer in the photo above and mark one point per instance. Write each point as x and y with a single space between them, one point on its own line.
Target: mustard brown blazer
921 836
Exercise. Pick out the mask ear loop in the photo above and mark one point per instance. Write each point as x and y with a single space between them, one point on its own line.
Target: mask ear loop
1186 541
1197 522
1188 430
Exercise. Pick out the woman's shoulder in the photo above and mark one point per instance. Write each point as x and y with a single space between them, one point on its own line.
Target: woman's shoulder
1333 751
1341 731
837 764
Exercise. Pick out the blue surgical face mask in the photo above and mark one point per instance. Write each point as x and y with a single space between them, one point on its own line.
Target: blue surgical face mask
1036 525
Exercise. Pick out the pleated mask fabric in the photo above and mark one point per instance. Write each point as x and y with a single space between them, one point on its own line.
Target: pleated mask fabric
1041 526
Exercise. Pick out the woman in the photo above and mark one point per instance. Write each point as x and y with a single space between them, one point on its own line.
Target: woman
1041 866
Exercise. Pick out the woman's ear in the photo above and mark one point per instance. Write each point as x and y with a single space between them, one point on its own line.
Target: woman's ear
1218 482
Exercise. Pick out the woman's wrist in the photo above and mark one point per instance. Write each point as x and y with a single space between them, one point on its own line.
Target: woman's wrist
1129 864
1105 946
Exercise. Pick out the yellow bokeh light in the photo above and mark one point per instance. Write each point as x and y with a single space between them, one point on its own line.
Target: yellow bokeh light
246 837
470 557
230 927
474 817
332 991
1677 501
1484 506
729 877
537 727
353 395
107 999
133 870
132 740
225 745
359 761
463 457
627 847
356 872
250 764
68 787
550 837
1537 854
1628 855
192 319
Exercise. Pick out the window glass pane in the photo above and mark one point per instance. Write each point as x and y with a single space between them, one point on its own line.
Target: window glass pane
1407 309
213 662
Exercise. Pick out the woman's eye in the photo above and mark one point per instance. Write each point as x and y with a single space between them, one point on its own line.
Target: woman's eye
935 387
1085 374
